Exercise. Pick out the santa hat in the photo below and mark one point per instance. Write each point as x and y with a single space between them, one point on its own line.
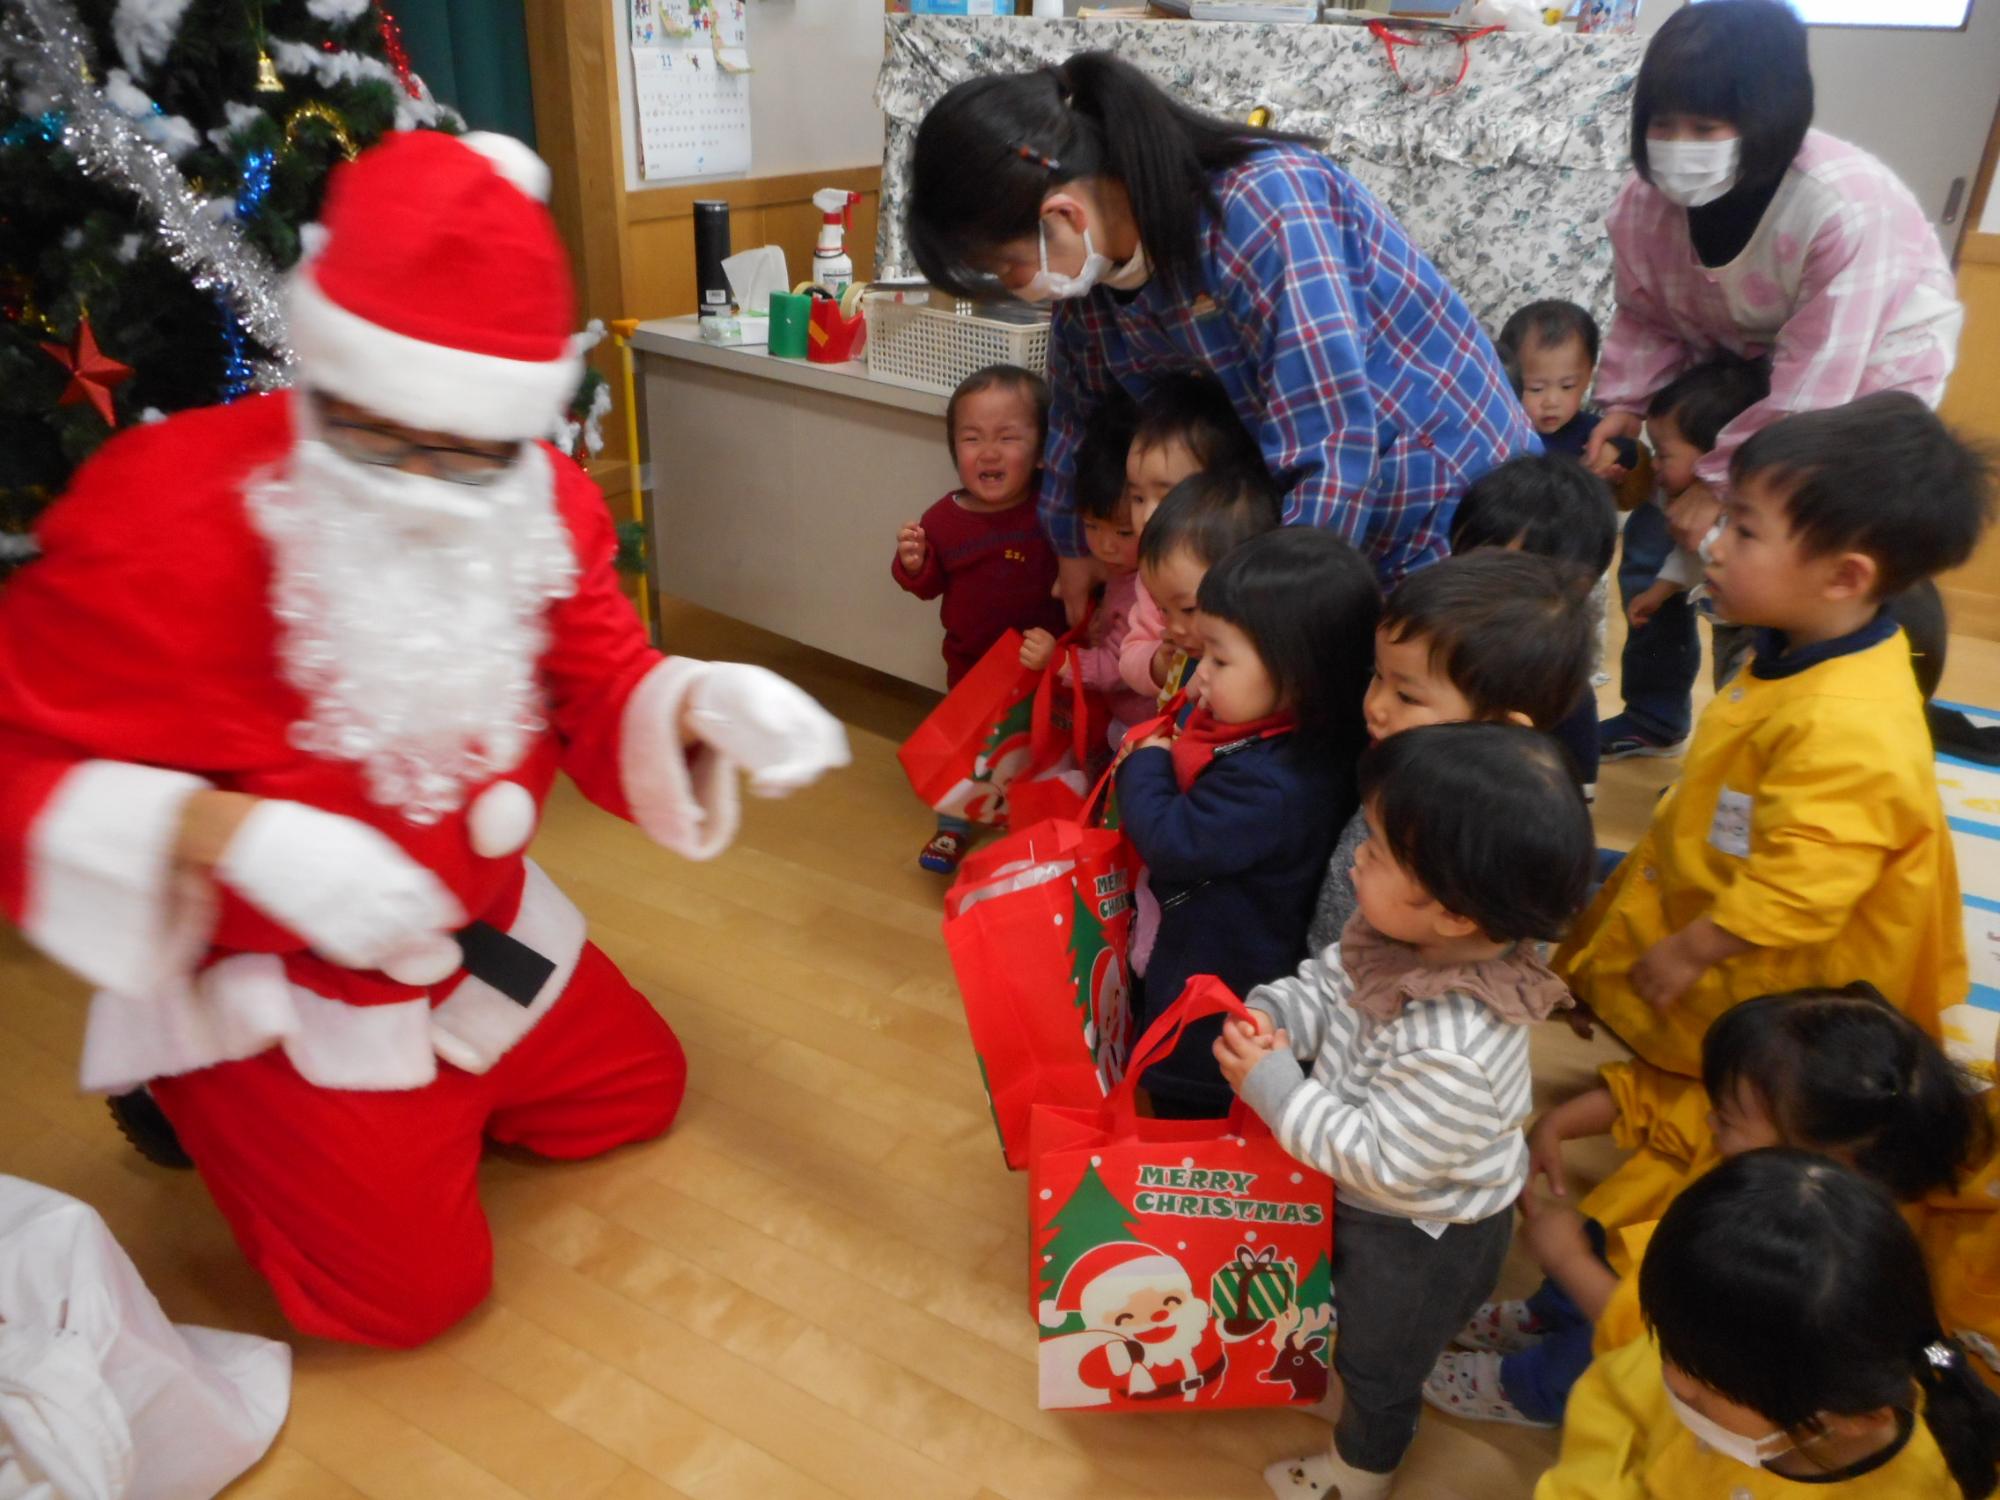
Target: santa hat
1106 1270
438 293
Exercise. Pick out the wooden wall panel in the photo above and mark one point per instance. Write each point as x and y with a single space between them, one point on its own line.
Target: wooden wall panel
659 237
1972 404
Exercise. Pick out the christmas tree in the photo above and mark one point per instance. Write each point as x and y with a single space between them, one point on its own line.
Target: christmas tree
1316 1291
158 159
1090 1218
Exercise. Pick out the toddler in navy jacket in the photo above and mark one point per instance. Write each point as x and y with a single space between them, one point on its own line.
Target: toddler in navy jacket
1236 814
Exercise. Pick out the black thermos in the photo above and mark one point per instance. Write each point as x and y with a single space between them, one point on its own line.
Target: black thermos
711 245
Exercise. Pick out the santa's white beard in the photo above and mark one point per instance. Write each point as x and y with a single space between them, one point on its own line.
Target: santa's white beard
412 614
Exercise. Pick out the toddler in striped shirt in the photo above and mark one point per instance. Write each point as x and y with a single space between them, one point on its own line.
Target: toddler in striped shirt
1397 1061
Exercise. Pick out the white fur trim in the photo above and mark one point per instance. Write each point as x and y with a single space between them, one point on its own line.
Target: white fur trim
695 815
501 820
231 1010
101 897
514 160
479 396
476 1025
342 1046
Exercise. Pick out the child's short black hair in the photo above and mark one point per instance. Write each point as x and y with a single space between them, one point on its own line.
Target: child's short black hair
1512 630
1191 407
1550 324
1710 396
1488 819
1841 1070
1881 475
1308 602
1743 61
1545 503
1793 1286
1919 609
1210 514
1100 457
999 377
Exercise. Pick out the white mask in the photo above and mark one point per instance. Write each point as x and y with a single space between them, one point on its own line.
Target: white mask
1054 286
1752 1452
1692 173
1050 285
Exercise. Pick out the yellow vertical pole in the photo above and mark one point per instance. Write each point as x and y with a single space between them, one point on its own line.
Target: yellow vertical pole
622 330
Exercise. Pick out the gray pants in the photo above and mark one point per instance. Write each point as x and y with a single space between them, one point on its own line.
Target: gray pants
1401 1297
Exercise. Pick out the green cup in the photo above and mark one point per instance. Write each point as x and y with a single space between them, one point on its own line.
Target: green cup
790 316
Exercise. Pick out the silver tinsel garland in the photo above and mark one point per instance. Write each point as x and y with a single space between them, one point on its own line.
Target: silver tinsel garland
44 44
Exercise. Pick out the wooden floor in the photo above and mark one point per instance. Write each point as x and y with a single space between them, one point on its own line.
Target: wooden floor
813 1286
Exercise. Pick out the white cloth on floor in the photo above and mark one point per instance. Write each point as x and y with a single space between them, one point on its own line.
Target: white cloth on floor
101 1398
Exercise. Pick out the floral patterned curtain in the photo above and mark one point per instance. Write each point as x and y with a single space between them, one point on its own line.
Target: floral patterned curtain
1504 179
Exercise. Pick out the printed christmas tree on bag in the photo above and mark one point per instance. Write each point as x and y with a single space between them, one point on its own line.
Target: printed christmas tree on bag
1090 1218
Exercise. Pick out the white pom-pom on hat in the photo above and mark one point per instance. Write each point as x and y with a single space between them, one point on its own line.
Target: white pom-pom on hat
513 160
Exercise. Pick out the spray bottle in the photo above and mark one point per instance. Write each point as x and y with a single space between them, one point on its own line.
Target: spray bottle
832 268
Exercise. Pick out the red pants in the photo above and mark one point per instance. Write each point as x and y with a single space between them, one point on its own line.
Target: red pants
362 1209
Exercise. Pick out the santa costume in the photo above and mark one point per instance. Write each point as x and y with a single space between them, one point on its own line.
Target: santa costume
371 979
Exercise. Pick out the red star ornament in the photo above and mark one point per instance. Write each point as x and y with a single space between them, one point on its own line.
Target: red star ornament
92 372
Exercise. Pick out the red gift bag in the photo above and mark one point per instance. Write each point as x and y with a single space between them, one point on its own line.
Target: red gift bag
1176 1264
1038 924
1066 743
983 737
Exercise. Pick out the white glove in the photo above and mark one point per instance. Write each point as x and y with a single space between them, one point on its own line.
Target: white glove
357 899
767 726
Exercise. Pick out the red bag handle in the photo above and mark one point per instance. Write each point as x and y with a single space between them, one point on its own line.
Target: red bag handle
1146 730
1391 41
1068 654
1204 996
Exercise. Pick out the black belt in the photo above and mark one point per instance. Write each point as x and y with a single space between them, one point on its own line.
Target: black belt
504 962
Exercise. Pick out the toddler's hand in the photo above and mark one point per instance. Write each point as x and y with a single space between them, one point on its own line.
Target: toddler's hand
1664 973
1163 661
1545 1160
912 547
1153 742
1648 603
1037 646
1581 1019
1554 1233
1241 1047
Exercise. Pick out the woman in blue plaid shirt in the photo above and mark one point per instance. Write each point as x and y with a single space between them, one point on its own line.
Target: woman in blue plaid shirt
1170 238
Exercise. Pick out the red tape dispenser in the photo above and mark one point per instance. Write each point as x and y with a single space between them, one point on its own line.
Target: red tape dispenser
837 330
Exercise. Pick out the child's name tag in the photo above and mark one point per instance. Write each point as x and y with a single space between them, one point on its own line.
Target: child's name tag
1730 832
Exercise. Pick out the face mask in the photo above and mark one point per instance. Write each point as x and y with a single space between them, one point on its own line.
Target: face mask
1134 274
1751 1452
1692 173
1053 285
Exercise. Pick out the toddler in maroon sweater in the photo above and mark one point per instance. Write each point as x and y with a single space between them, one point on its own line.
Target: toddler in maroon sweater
981 547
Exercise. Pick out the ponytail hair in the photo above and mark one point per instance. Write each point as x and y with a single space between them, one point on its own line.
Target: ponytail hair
1793 1286
1841 1070
992 148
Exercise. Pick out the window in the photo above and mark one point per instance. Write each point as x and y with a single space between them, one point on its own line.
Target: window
1930 15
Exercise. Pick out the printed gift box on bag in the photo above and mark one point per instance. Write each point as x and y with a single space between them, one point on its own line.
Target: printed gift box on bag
1178 1264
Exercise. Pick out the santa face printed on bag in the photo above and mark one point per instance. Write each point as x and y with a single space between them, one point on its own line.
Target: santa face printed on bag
1147 1337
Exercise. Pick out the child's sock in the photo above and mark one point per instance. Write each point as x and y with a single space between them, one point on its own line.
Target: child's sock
1326 1476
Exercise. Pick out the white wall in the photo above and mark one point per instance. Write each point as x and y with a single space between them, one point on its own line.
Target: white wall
812 88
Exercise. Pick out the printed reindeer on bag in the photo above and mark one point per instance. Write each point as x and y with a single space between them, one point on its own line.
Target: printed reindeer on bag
1301 1349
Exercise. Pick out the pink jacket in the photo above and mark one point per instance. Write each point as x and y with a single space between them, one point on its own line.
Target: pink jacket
1101 661
1143 635
1843 284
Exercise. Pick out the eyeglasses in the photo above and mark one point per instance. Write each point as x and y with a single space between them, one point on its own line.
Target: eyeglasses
365 443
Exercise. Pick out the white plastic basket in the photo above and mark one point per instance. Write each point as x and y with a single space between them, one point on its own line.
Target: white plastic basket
937 347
